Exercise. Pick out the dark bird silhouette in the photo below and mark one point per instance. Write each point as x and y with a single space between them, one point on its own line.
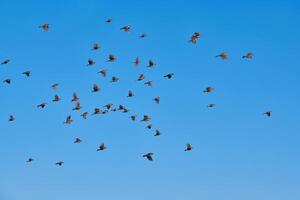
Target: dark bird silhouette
77 106
45 27
137 61
149 126
125 110
208 89
11 118
133 117
111 58
68 120
114 79
143 35
121 107
74 97
77 141
126 28
60 163
141 77
195 37
96 88
211 105
29 160
27 73
90 62
42 105
108 106
54 86
109 20
169 76
84 115
248 56
130 94
156 100
157 133
97 111
96 46
149 83
146 118
149 156
268 113
101 147
5 62
8 81
151 64
223 56
103 72
189 147
56 98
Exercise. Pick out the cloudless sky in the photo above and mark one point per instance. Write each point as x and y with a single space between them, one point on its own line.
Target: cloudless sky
238 152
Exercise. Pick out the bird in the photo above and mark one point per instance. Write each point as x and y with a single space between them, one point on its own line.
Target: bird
146 118
8 81
130 94
223 56
111 58
96 88
149 126
108 106
143 35
113 110
77 106
169 76
56 98
157 133
74 97
68 120
42 105
151 64
208 89
29 160
189 147
103 72
97 111
133 117
211 105
126 28
149 83
90 62
96 46
268 113
137 61
101 147
195 37
125 110
11 118
248 56
77 141
27 73
121 107
54 86
114 79
45 27
149 156
5 62
109 20
59 163
156 100
141 77
84 115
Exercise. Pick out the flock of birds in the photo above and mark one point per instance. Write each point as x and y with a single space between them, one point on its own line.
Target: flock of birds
109 107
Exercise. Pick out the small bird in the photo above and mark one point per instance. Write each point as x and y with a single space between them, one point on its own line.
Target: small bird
143 35
114 79
137 61
121 107
96 88
90 62
97 111
77 106
29 160
169 76
103 72
8 81
96 46
75 97
208 89
111 58
11 118
268 113
149 156
101 147
130 94
156 100
189 147
223 56
5 62
149 126
109 20
157 133
248 56
68 120
27 73
125 110
45 27
151 64
108 106
126 28
113 110
195 37
84 115
77 141
211 105
42 105
59 163
141 77
133 117
146 118
54 86
149 83
56 98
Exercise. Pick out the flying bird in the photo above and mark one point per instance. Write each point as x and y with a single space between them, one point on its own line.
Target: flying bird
151 64
90 62
27 73
11 118
108 106
156 100
149 83
96 88
208 89
149 126
141 77
54 86
56 98
42 105
68 120
103 72
146 118
111 58
114 79
268 113
96 46
59 163
74 97
189 147
195 37
29 160
130 94
5 62
157 133
223 56
77 141
126 28
97 111
137 61
109 20
211 105
169 76
77 106
143 35
8 81
133 117
149 156
45 27
101 147
84 115
248 56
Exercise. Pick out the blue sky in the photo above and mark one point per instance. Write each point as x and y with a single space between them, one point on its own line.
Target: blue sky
238 153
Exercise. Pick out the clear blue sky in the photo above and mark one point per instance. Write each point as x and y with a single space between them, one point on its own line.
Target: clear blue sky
238 152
